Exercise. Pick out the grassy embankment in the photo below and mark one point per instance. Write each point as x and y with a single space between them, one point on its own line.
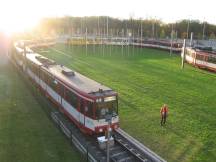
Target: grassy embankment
26 133
145 79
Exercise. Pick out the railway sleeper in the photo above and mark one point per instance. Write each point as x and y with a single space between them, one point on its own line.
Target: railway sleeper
127 159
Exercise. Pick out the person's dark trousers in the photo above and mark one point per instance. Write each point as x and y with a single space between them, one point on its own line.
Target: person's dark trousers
163 119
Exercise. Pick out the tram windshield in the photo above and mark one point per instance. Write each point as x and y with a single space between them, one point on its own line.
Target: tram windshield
103 108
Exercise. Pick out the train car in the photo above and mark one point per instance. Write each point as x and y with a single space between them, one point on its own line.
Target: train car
84 101
201 59
165 43
158 44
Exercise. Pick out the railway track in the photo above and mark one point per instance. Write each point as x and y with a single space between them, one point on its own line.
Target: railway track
125 149
138 150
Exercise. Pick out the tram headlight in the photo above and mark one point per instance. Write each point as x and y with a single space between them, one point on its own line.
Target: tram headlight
99 100
100 130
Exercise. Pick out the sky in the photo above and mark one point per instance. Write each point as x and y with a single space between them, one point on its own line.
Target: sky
20 15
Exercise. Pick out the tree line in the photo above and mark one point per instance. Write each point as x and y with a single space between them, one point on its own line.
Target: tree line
112 27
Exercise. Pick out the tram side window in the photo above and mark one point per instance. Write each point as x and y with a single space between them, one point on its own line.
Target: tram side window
71 98
33 68
89 109
82 106
30 66
51 82
200 57
60 89
44 76
212 59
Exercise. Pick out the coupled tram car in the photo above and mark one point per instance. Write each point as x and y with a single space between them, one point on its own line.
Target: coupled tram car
204 58
84 101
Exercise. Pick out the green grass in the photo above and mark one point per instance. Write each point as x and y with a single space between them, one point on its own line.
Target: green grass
26 133
145 79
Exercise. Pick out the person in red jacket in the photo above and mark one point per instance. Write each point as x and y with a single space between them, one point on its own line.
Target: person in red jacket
164 113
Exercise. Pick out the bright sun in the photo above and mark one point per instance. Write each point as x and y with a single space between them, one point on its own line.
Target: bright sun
11 26
17 17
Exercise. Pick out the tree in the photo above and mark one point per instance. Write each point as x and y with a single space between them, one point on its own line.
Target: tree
184 35
212 36
150 27
162 34
199 36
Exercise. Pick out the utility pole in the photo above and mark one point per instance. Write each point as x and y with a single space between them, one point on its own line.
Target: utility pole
81 25
188 28
107 25
108 118
204 24
122 37
132 32
98 26
71 35
24 52
108 141
99 34
86 41
141 31
183 54
191 40
153 29
171 40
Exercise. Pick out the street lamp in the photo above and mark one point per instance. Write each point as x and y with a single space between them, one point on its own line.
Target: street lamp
108 119
171 45
188 26
204 25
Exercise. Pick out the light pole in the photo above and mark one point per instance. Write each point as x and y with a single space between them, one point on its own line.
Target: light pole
153 29
171 44
204 24
188 26
183 54
108 119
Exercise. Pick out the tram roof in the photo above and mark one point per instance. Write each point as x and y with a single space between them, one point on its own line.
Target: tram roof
77 80
70 77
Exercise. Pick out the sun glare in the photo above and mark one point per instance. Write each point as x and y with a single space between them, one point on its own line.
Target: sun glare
12 26
16 18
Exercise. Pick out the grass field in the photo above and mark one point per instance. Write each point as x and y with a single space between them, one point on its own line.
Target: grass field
145 79
26 133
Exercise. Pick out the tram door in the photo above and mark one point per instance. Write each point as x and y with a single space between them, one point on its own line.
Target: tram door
82 111
205 60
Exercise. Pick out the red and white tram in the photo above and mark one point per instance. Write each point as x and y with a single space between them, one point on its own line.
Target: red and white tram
84 101
202 59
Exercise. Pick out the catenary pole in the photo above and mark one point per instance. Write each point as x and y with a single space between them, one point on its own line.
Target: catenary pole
183 54
204 25
86 34
171 45
188 26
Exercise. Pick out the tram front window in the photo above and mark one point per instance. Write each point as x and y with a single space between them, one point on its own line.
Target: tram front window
104 108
